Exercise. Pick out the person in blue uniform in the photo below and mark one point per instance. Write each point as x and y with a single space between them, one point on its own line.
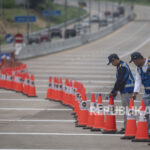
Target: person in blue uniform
142 78
124 83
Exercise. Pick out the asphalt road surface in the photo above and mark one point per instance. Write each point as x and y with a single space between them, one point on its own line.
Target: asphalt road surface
35 123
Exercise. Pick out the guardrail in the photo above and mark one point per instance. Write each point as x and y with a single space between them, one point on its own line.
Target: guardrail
12 48
47 48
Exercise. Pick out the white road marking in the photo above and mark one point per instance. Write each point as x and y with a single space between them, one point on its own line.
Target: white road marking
34 149
27 120
35 109
45 100
60 134
26 100
135 49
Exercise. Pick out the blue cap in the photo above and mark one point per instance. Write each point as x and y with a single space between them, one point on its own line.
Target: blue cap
135 55
112 57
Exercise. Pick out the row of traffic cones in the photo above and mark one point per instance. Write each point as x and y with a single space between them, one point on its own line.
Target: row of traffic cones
18 79
137 132
95 119
73 94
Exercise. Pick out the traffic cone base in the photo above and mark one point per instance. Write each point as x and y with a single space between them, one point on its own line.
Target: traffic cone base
83 126
109 131
73 113
87 128
95 129
140 140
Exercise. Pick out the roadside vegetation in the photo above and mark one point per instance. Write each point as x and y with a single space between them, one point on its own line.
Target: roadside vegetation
35 8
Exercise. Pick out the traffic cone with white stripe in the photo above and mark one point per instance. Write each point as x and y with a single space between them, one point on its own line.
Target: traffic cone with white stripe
32 89
3 81
83 113
99 116
142 127
9 81
60 90
130 130
110 121
26 84
65 93
91 113
19 85
49 90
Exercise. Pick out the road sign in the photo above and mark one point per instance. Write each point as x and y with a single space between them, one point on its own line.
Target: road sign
22 19
9 38
52 13
18 38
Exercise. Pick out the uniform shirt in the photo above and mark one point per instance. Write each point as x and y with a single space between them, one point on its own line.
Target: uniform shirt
138 80
121 72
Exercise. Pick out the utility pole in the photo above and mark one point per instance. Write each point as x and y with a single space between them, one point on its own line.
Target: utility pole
79 10
132 5
49 24
106 5
66 11
28 25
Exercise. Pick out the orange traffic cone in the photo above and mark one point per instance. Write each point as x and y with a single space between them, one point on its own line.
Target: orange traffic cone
19 85
9 80
142 128
60 90
32 90
91 113
99 116
49 90
83 113
130 130
110 121
3 81
26 84
57 90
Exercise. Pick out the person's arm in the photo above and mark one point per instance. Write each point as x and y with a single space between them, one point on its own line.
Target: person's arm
137 84
118 83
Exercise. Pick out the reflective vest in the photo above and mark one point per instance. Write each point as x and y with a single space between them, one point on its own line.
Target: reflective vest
128 79
145 77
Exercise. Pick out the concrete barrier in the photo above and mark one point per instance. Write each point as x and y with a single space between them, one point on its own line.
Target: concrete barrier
57 46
